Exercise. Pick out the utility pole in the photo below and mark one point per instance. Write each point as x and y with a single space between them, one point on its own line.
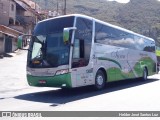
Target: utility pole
46 3
57 7
65 7
46 9
36 12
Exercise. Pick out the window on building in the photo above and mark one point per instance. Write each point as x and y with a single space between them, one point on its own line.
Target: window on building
12 7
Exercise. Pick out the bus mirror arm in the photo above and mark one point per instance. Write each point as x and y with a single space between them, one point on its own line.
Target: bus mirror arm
72 44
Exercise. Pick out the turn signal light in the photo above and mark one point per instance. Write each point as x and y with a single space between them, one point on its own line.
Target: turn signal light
36 62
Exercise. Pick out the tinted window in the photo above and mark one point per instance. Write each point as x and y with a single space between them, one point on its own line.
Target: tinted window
82 42
53 25
149 46
139 43
111 36
105 34
144 44
47 46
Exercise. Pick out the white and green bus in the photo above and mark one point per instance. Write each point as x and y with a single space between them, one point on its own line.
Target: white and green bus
77 50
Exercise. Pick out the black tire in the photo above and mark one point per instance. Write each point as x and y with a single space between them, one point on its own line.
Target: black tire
100 80
145 74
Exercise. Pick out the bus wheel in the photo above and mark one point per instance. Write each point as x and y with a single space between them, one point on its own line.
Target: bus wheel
100 80
145 74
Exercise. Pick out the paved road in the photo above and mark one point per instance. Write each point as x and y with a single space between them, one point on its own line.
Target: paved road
15 94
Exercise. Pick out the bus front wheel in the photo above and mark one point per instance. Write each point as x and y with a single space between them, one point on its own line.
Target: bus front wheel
100 80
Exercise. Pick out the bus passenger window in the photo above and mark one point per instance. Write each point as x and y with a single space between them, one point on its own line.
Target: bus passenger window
78 54
82 49
82 43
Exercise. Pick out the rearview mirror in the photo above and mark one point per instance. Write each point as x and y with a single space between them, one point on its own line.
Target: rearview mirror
66 34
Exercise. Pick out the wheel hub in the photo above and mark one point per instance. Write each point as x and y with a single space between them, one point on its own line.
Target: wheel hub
99 80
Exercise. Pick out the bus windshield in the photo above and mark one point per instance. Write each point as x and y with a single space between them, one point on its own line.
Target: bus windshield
47 47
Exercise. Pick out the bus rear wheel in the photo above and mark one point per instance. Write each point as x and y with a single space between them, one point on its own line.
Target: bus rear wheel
145 74
100 80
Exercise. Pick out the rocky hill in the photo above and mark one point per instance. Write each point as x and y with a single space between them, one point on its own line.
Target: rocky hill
141 16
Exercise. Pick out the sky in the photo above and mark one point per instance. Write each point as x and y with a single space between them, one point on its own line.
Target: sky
122 1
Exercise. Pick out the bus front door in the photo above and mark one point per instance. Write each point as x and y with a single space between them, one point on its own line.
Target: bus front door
82 70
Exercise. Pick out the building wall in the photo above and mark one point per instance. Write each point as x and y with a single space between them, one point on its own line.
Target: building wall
28 13
8 44
12 10
14 44
1 43
7 10
4 12
27 16
20 12
17 27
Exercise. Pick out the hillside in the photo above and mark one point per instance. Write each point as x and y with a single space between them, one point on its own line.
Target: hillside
141 16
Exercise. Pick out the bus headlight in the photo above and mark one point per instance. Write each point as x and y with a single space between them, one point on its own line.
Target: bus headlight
60 72
29 73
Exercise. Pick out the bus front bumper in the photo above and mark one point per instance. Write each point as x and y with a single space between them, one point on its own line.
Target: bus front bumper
50 81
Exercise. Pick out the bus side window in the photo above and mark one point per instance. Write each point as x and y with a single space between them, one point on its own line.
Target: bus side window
82 43
78 54
82 49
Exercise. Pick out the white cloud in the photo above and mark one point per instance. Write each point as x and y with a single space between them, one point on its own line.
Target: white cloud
121 1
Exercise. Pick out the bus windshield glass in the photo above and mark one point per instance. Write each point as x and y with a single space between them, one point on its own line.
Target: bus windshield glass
47 47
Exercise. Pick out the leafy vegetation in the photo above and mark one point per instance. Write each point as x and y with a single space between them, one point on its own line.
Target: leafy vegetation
141 16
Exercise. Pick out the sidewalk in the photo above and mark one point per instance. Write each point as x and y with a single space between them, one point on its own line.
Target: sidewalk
13 54
13 71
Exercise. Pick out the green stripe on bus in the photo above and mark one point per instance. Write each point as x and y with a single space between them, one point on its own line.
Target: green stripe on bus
115 74
108 59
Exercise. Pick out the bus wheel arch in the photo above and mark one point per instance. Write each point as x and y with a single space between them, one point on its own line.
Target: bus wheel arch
100 79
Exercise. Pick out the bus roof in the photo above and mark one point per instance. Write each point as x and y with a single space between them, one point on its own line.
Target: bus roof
102 22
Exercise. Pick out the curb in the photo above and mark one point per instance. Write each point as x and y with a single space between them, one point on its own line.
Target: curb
1 56
12 54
